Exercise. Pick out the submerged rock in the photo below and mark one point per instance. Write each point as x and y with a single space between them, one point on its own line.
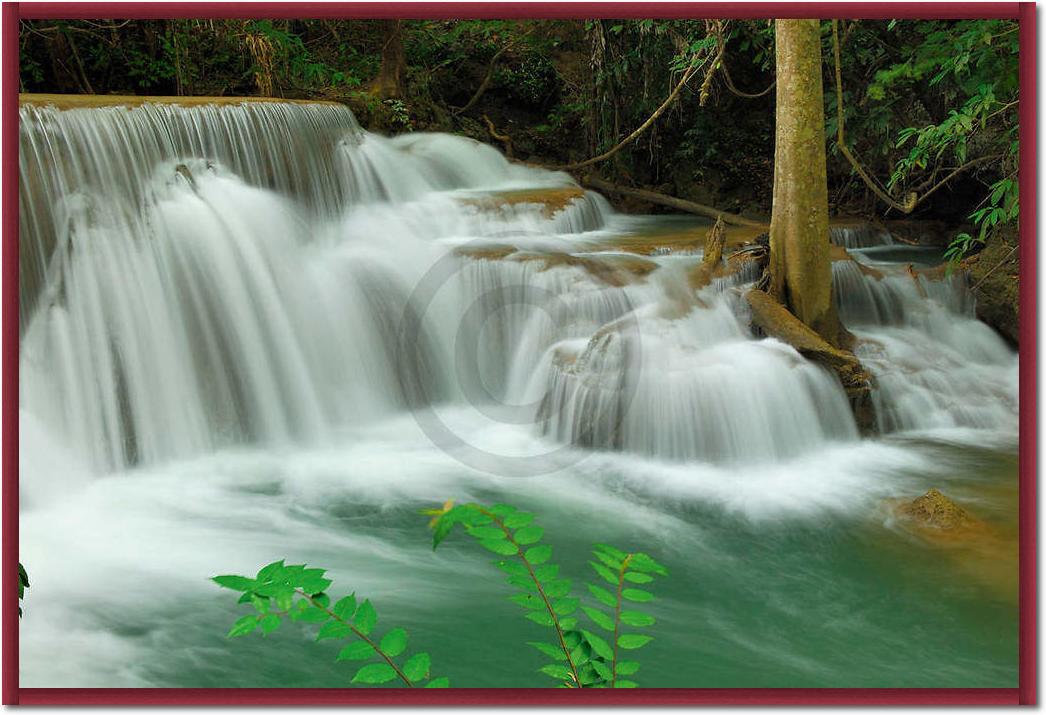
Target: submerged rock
935 510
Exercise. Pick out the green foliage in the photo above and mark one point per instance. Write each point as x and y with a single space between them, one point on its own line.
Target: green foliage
581 656
967 72
23 584
298 593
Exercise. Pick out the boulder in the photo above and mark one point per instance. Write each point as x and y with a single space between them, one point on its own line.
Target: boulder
935 510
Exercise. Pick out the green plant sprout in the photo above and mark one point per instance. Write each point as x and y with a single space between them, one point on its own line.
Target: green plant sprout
299 593
580 657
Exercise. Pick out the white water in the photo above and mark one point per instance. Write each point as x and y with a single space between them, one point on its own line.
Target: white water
214 352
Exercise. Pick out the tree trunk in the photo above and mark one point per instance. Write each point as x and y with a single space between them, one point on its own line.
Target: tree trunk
389 82
800 263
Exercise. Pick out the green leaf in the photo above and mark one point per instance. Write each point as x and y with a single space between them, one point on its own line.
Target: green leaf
600 646
487 532
565 606
357 650
557 589
440 531
502 510
631 641
269 623
635 618
552 651
345 607
504 548
315 584
559 672
529 535
366 618
310 614
636 577
637 595
261 605
438 683
269 572
608 549
394 642
599 618
374 673
609 560
581 654
333 629
236 583
518 520
608 575
568 624
627 667
546 572
642 562
572 638
243 626
284 599
603 596
539 554
417 667
539 617
603 669
528 600
524 582
513 568
626 684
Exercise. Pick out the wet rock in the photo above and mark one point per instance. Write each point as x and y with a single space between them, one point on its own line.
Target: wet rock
552 200
933 509
774 320
995 283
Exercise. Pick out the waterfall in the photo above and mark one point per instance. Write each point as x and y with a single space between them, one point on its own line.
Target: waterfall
935 364
196 278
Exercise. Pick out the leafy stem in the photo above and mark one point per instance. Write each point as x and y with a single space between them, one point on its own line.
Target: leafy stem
540 591
357 633
617 616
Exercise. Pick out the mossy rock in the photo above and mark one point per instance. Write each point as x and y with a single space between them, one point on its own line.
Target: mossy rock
938 511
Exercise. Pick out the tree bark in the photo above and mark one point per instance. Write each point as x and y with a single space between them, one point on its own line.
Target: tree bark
389 82
800 262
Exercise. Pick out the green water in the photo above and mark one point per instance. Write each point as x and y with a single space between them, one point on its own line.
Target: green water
829 597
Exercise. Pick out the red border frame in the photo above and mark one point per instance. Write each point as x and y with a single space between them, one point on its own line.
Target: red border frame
1024 694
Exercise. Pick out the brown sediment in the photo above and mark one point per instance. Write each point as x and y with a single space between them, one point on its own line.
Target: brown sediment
977 548
493 252
552 200
613 270
681 240
85 101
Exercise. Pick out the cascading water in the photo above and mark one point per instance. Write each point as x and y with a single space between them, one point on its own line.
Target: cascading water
217 360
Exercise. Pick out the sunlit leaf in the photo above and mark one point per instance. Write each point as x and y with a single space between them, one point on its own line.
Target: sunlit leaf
374 673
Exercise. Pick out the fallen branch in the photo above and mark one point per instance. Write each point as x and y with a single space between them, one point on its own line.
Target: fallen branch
671 202
505 139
